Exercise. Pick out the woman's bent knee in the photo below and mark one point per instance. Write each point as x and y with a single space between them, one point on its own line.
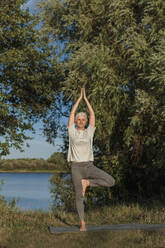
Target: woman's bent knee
112 182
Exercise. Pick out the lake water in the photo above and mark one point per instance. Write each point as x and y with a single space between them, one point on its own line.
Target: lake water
31 189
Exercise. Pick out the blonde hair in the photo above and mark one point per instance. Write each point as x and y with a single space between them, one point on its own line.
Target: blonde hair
81 113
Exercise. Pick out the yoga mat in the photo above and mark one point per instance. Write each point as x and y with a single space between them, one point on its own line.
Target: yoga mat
73 229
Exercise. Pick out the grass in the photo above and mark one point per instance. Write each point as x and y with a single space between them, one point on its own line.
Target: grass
29 229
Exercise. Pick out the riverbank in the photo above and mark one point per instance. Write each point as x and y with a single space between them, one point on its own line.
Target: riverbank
33 171
30 228
32 165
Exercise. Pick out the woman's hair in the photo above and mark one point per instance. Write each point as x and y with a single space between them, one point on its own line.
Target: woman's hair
81 113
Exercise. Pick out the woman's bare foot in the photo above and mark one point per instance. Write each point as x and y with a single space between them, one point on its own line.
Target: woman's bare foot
83 226
85 184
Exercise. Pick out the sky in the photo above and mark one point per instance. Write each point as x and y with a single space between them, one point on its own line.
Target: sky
31 4
39 148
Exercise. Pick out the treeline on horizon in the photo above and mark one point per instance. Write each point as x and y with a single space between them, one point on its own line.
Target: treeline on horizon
56 161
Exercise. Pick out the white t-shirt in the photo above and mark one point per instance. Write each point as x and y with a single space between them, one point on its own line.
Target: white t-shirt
80 144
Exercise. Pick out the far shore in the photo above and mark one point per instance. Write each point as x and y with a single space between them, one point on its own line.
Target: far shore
32 171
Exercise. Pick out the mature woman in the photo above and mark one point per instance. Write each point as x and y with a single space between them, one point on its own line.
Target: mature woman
80 154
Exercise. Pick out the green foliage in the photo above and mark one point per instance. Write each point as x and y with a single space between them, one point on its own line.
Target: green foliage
28 74
116 49
26 164
62 193
58 159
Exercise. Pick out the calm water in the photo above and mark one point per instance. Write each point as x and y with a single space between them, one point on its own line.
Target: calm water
31 189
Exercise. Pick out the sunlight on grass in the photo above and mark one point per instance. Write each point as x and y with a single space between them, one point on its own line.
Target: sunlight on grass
30 229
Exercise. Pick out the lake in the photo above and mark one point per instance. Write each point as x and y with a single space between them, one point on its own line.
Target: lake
31 189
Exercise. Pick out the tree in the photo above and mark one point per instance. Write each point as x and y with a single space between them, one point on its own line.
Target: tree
116 49
28 74
59 160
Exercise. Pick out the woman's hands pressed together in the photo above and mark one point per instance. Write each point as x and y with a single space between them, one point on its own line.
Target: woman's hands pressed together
91 112
84 93
81 94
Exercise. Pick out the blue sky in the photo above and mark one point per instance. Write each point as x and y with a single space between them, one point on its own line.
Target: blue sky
39 148
31 4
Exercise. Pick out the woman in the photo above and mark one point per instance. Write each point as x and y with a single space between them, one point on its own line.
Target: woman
80 154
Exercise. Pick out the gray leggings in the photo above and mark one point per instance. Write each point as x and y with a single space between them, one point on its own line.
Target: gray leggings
96 176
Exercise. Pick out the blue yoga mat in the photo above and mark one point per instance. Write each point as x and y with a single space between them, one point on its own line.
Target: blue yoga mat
73 229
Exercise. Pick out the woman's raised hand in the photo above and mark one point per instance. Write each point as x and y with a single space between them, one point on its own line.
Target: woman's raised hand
81 94
84 93
91 112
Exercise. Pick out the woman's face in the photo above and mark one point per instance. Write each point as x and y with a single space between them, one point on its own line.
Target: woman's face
81 121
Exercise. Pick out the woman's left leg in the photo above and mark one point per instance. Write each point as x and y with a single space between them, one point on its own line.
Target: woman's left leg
98 177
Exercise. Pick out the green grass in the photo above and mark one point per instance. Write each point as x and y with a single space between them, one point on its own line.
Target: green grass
30 228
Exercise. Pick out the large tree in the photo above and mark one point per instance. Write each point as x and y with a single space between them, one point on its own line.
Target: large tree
116 49
28 74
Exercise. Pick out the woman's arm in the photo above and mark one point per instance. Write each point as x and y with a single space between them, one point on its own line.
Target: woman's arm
72 113
91 112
